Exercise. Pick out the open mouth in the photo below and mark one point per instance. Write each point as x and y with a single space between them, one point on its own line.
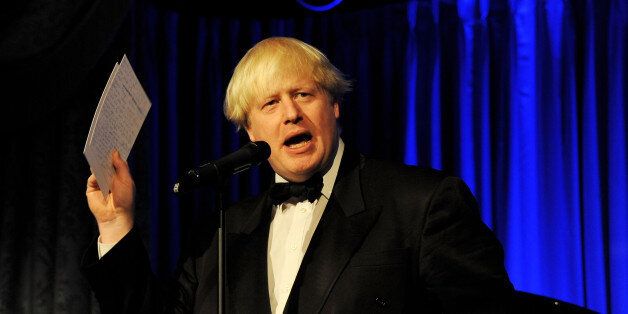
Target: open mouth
298 140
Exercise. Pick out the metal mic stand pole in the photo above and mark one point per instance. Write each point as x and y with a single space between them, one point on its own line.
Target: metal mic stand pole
222 232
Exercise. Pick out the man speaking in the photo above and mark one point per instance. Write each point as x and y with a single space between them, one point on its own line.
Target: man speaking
336 233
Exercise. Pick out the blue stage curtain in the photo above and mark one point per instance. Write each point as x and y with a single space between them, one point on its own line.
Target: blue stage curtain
525 100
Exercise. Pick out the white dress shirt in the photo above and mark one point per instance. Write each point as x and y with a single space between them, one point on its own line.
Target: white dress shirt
103 248
291 230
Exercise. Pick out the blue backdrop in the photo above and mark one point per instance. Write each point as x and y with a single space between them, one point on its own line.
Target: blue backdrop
525 100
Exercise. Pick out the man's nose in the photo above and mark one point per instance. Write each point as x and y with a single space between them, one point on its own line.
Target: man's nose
292 111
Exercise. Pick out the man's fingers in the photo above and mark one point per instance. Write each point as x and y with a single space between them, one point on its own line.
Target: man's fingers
121 167
124 183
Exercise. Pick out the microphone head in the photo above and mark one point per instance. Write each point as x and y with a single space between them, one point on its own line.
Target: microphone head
216 172
262 150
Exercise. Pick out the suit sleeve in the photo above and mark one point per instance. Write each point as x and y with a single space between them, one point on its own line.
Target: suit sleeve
123 282
462 262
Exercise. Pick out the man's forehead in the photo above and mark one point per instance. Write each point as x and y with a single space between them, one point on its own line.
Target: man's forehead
279 86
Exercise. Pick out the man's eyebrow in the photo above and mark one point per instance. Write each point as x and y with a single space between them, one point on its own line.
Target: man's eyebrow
293 89
308 87
268 96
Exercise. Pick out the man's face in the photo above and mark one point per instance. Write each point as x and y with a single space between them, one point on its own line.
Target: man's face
298 121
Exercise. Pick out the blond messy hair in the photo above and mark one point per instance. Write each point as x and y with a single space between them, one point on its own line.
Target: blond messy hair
270 60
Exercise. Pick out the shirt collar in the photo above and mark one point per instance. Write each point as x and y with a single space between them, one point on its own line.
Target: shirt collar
330 176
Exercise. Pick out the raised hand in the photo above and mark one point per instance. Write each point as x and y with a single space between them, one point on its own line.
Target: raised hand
114 213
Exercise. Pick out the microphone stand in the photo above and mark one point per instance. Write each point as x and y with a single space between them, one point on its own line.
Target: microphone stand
251 154
221 187
222 233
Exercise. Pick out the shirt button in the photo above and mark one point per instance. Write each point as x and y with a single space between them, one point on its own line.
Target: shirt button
285 289
293 247
302 209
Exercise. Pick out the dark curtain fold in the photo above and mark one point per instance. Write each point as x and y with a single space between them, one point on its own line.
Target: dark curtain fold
54 59
525 100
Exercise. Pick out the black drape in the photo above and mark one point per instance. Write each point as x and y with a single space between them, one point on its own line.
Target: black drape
55 56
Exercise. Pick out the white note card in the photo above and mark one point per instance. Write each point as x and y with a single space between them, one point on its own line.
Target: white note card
121 111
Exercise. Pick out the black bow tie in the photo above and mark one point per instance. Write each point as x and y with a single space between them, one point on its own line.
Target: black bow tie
310 190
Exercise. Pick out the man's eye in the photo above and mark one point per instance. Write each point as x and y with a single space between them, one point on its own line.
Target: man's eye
270 103
302 95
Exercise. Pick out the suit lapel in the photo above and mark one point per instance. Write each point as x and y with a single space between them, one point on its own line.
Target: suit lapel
344 224
246 261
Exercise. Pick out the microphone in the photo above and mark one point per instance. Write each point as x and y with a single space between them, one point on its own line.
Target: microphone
215 172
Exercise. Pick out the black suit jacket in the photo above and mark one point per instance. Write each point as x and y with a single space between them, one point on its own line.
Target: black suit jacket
392 239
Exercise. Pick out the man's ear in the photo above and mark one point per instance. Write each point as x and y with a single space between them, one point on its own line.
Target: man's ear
337 110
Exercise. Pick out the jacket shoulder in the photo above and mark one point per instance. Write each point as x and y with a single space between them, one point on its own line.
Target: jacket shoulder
400 178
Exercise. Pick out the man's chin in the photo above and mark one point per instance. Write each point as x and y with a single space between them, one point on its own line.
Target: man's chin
298 174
